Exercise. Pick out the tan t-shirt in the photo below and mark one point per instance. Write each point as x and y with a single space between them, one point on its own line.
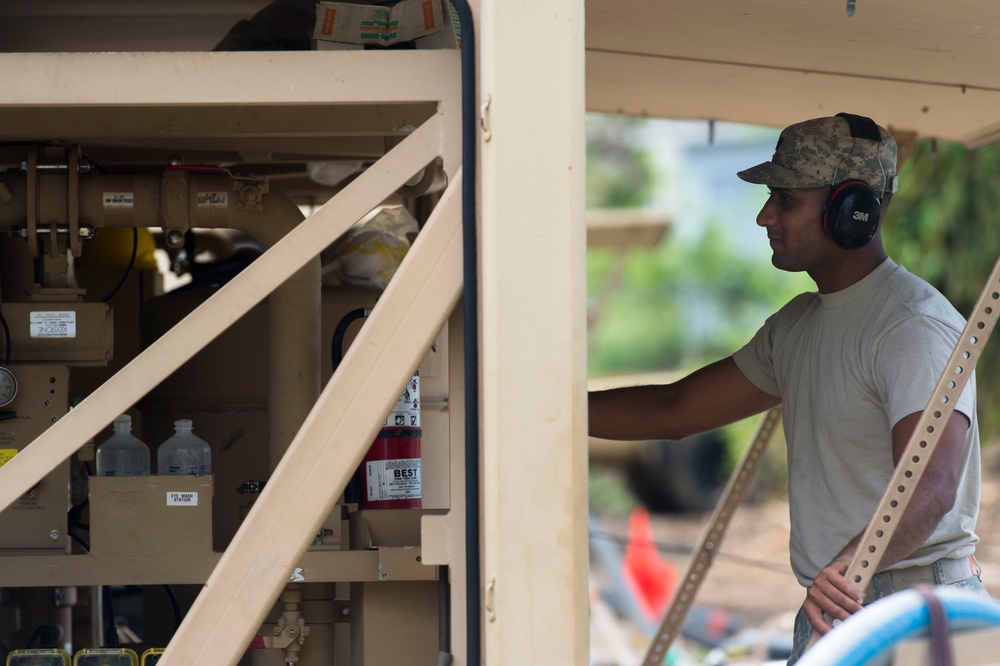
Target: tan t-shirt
848 366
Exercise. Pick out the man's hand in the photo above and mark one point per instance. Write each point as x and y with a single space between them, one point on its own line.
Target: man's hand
831 594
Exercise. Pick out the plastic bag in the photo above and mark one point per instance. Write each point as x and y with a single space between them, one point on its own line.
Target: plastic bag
369 253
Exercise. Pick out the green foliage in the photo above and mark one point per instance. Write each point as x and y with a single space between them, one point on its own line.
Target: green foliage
942 225
682 304
675 307
690 302
608 491
619 175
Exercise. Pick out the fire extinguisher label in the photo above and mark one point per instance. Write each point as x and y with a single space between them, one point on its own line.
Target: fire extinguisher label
406 412
393 479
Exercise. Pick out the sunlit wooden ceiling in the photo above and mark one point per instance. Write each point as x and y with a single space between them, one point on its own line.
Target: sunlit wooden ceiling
922 66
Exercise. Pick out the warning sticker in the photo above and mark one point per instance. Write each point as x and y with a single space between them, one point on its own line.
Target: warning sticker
188 498
393 479
119 199
212 199
406 411
52 324
6 455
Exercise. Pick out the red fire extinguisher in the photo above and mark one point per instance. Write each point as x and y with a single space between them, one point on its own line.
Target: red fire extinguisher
389 475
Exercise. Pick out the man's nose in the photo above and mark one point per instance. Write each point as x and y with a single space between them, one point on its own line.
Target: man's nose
766 216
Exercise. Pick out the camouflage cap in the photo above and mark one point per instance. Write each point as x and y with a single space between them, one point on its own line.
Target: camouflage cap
823 151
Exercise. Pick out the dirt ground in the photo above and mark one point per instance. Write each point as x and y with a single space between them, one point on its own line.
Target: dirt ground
751 578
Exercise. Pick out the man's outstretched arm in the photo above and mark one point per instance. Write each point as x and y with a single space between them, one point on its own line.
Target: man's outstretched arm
709 398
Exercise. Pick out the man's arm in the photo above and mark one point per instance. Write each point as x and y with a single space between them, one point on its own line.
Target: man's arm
933 498
709 398
935 494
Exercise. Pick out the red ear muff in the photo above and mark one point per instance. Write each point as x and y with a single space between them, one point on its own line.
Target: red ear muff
851 214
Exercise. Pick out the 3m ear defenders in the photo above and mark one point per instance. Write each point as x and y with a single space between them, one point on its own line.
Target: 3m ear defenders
850 214
851 211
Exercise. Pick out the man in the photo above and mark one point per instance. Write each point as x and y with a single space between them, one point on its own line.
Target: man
853 366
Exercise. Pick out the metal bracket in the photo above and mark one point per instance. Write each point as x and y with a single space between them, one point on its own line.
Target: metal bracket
711 539
174 213
73 199
31 221
72 168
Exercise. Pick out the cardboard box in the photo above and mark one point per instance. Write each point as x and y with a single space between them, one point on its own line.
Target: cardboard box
151 514
346 25
449 37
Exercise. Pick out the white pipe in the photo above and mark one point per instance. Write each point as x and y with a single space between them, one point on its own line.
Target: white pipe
867 637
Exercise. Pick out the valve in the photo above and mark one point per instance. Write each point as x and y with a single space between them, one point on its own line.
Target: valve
291 630
250 193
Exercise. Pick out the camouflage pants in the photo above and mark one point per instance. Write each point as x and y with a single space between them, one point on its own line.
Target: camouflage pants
803 630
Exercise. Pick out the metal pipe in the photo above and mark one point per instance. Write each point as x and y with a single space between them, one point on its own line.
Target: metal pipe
294 307
65 600
294 313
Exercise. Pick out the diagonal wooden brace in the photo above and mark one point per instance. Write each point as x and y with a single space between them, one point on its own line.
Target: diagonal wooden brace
332 442
217 313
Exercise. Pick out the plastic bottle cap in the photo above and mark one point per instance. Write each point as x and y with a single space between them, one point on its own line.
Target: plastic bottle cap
123 422
182 424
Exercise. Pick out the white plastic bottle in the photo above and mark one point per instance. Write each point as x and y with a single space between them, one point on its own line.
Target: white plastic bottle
184 453
123 454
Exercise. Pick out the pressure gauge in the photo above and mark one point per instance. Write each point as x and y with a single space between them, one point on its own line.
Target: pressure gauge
8 386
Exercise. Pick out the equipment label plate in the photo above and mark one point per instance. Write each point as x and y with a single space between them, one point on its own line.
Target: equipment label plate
182 498
52 324
119 199
212 199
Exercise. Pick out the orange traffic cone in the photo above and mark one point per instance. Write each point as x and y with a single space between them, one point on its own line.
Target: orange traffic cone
650 578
